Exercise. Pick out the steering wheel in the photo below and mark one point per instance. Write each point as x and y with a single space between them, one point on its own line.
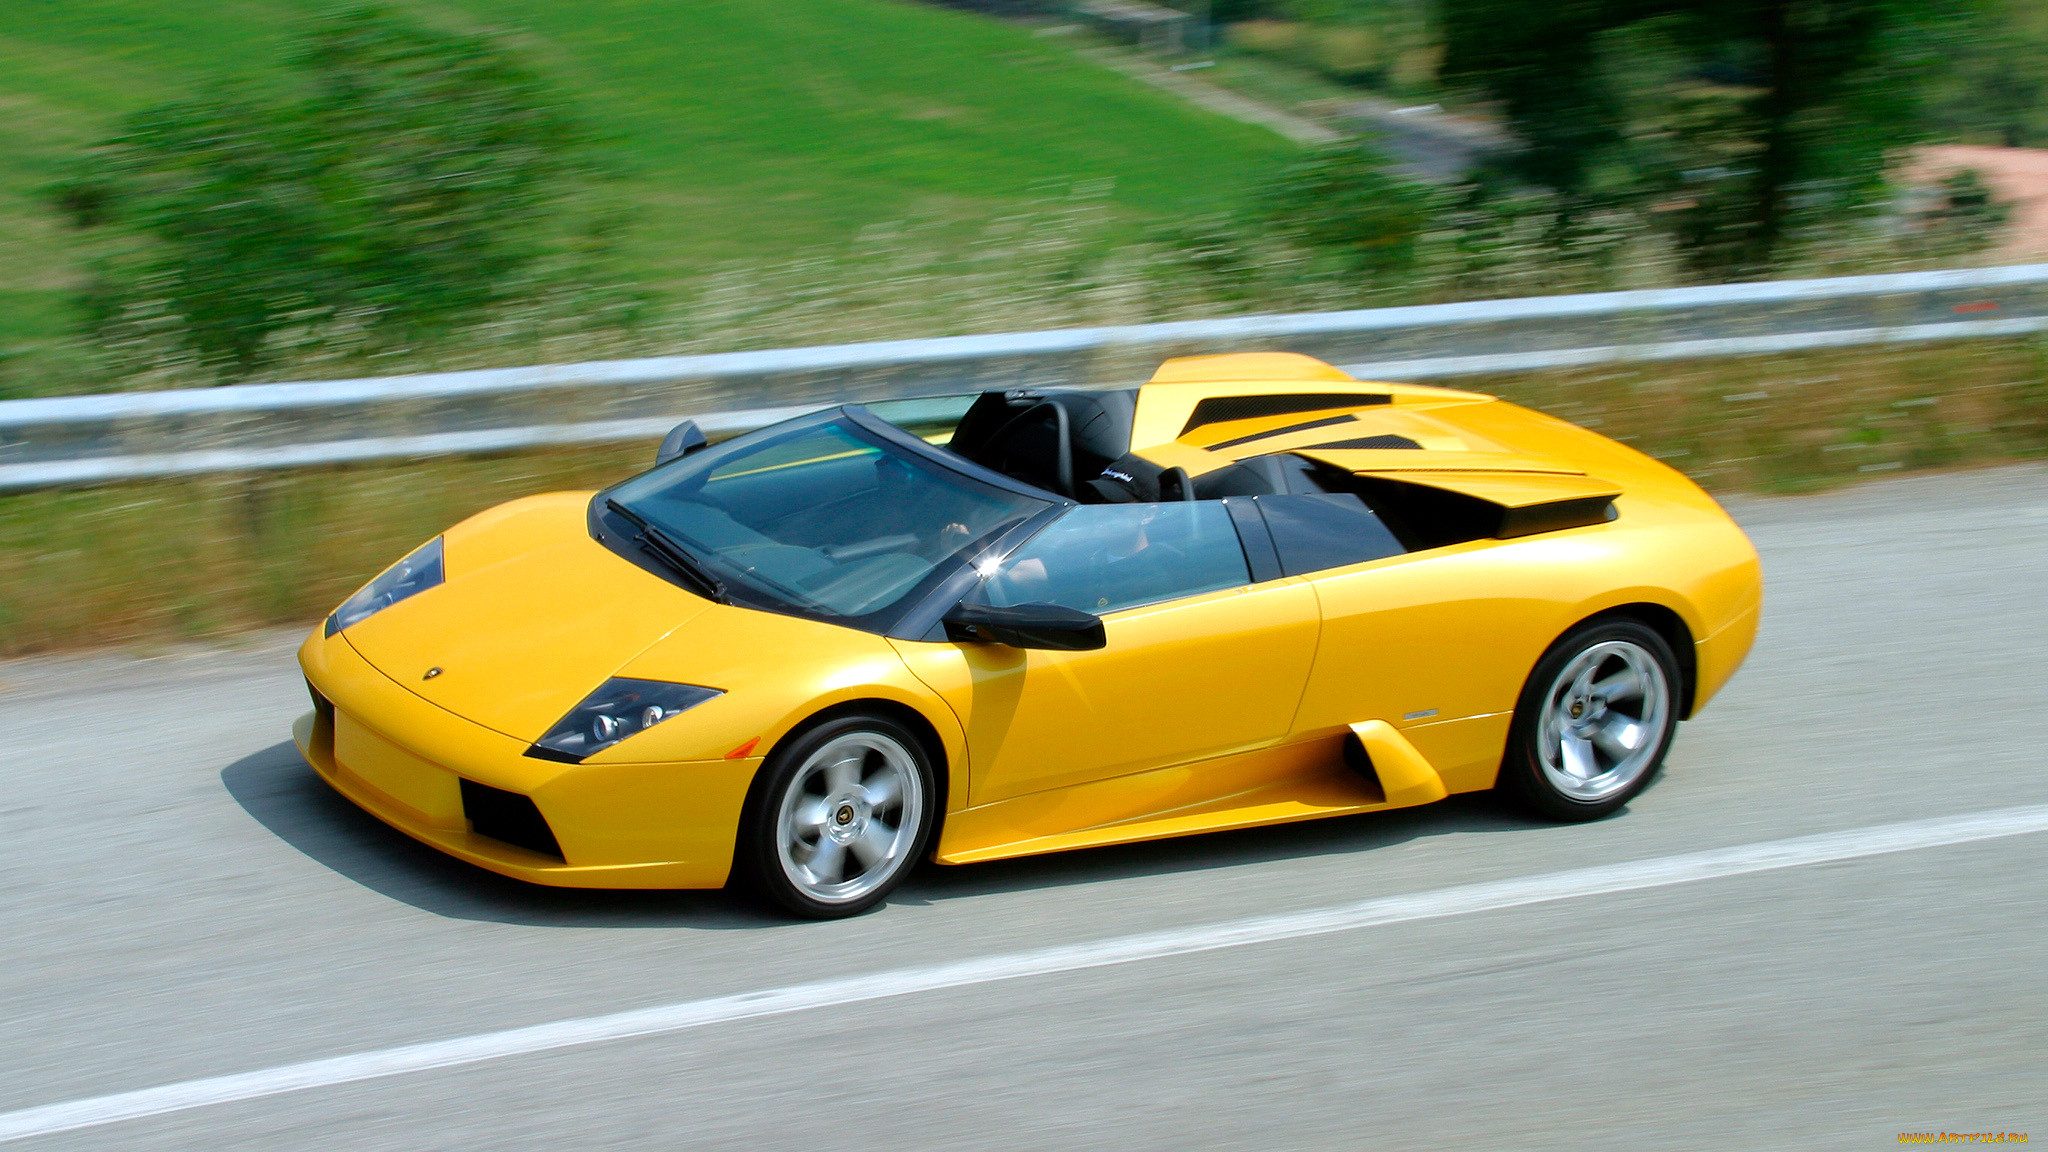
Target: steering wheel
1159 563
1063 464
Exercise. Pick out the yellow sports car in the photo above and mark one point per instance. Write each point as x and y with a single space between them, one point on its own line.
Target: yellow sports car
1253 590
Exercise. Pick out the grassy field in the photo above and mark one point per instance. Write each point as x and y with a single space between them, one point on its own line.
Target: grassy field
744 130
199 558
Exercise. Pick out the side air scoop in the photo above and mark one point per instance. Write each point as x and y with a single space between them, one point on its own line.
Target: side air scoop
1405 777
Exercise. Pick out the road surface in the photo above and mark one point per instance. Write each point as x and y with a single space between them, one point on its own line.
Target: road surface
184 900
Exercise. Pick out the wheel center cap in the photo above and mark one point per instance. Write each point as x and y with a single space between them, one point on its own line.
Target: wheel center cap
1578 709
844 816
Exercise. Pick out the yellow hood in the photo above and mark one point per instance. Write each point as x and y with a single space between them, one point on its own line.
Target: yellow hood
533 615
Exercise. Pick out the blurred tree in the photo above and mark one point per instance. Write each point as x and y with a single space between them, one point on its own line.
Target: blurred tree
1236 11
1995 86
1774 113
1539 63
399 185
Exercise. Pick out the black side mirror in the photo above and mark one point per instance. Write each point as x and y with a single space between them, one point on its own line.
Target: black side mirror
1026 626
681 440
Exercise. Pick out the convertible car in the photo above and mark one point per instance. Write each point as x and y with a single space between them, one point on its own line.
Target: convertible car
1253 590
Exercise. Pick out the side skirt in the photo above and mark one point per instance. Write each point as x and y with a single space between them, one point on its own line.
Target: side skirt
1307 780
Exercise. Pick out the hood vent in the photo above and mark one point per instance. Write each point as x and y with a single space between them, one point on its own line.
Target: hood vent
1223 409
1376 442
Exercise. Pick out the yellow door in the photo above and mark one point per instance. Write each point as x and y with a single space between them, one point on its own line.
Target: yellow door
1198 662
1177 682
1438 645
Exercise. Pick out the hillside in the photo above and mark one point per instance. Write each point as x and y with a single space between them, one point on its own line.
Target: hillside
747 129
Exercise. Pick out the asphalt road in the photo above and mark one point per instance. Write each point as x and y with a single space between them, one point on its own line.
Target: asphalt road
184 900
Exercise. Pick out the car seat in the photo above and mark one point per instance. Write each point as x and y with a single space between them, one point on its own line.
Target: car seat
1058 441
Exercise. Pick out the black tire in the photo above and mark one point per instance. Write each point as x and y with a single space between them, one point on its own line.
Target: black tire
774 857
1552 770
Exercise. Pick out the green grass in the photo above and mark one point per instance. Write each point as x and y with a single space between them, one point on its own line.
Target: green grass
744 130
1281 84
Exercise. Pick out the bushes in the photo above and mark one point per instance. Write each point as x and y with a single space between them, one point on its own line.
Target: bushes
1343 201
402 182
1342 228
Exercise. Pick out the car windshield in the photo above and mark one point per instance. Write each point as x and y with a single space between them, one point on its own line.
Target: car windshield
822 518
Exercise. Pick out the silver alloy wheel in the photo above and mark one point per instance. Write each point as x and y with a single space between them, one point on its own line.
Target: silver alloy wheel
850 817
1604 720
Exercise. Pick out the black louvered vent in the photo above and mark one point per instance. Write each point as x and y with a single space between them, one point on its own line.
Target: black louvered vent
509 817
1387 441
1222 409
1304 426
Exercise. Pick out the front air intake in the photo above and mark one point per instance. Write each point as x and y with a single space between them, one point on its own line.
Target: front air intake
508 816
320 742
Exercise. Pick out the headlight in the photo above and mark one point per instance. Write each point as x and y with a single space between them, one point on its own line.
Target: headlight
619 708
409 577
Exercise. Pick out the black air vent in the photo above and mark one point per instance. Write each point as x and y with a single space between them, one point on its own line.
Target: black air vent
323 724
1221 409
1388 441
509 817
1304 426
323 708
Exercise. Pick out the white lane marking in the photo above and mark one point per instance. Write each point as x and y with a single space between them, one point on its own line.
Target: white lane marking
1599 880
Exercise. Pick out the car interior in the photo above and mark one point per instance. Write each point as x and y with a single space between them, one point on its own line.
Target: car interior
1078 445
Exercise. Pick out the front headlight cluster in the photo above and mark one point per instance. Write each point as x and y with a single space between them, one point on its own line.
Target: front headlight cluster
409 577
619 708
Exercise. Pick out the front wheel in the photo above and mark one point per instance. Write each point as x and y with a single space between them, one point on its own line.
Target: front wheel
844 811
1594 721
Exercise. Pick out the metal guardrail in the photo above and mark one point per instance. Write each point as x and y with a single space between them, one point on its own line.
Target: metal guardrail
77 440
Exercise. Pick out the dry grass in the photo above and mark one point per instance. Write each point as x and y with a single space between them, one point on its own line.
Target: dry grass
1803 422
179 559
196 558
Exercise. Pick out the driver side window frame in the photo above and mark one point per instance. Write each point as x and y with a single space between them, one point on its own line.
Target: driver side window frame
1086 556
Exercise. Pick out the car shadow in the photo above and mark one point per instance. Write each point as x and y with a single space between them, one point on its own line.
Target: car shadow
281 792
1334 836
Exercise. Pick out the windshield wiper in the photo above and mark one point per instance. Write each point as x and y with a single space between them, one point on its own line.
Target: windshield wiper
663 547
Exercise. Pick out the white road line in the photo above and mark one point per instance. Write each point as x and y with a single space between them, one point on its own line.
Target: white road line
1607 878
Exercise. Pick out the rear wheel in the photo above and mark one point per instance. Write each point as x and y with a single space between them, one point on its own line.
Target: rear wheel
844 812
1594 721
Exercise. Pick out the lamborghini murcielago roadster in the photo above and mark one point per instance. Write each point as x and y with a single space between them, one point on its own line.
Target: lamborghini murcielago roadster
1252 590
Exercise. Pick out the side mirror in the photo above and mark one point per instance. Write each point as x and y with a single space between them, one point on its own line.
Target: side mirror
681 440
1026 626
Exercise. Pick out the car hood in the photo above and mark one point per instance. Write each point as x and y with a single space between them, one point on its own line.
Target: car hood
532 616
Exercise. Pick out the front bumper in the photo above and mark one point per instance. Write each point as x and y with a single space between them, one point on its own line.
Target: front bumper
402 759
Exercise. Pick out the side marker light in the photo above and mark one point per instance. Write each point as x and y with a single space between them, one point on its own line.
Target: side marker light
744 750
